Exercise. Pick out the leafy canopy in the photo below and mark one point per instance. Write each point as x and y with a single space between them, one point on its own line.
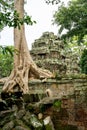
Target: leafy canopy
10 17
73 18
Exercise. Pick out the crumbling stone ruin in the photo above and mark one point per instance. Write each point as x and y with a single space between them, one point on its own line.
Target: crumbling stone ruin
51 53
66 108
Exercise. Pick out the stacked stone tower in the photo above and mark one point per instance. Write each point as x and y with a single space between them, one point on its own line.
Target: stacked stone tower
49 52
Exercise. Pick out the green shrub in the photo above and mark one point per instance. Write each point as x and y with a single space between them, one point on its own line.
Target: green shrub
6 63
83 62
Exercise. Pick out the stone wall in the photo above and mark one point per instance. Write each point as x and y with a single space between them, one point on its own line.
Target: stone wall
73 96
72 92
65 86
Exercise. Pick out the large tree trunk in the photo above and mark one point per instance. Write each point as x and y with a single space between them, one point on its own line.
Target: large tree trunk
24 66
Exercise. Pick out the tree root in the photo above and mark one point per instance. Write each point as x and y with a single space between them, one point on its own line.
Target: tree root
3 80
18 80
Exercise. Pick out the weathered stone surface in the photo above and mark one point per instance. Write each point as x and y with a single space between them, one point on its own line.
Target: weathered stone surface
35 122
50 52
20 120
69 114
48 123
21 114
72 114
9 126
21 128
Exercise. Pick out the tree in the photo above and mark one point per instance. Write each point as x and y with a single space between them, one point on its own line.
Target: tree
73 18
83 61
10 17
24 66
6 60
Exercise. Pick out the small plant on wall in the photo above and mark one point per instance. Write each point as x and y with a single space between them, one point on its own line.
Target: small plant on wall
57 104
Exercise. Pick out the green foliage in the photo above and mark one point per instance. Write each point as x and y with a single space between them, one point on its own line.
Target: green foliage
58 76
73 18
7 50
52 1
10 17
57 104
6 61
83 62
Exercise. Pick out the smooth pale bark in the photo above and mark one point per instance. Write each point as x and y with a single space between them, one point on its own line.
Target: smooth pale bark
24 66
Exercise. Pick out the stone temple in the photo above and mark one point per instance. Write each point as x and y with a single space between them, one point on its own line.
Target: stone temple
51 53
